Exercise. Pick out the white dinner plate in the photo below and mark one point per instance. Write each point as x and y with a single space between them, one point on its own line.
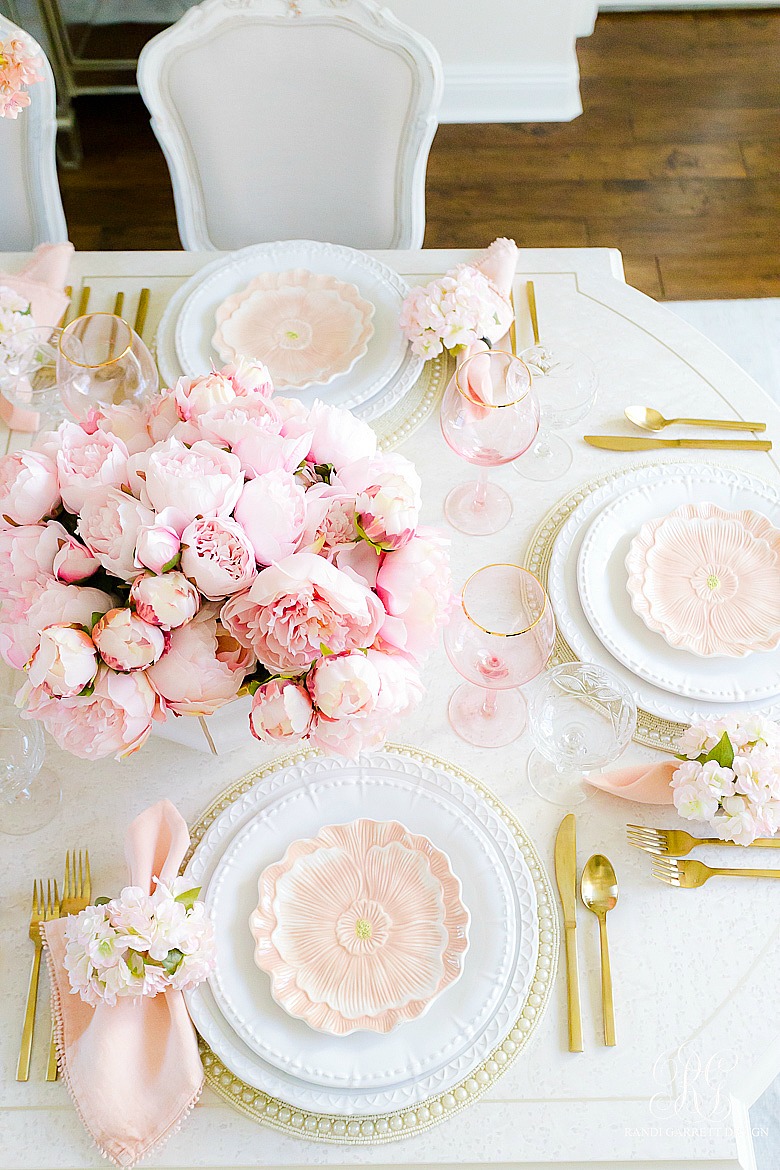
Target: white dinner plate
718 483
388 349
602 576
364 1072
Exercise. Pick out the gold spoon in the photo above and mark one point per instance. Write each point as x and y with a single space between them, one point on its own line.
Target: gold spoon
652 420
599 892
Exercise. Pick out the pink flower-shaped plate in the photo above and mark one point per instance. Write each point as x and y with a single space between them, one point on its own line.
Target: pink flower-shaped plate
306 326
708 580
360 927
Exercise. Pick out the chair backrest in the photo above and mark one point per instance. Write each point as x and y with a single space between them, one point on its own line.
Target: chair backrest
284 119
30 204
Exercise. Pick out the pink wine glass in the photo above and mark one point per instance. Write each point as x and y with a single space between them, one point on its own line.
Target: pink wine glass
499 637
489 416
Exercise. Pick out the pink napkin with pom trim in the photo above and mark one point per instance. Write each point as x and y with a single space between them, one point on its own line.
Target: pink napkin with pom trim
41 282
498 263
133 1070
645 785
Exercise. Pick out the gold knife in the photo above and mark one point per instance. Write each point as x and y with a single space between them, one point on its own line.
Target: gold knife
566 877
633 443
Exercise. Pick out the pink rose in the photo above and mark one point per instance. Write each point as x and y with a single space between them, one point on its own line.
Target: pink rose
128 422
281 712
74 562
338 437
53 603
115 720
348 737
157 547
195 396
109 524
126 642
87 461
272 512
168 600
29 490
344 685
217 556
64 662
27 554
201 480
201 670
387 498
415 588
296 606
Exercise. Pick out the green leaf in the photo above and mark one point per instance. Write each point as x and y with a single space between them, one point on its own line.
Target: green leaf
101 901
93 621
722 753
135 962
324 651
189 897
172 563
172 960
88 690
324 471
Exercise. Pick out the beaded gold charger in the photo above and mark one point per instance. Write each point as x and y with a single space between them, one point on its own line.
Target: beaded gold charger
405 1122
651 730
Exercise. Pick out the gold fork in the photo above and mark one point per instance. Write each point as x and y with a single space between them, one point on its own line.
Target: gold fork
42 911
689 875
677 843
76 896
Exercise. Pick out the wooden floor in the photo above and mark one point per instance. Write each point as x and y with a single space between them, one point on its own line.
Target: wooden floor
676 162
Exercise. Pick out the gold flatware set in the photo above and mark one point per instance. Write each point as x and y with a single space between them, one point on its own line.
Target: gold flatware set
667 846
76 896
599 893
635 443
652 420
142 308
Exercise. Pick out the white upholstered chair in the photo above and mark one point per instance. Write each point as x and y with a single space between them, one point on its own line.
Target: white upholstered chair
30 204
285 119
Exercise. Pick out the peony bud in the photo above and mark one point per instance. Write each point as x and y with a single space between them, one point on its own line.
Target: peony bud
168 600
126 642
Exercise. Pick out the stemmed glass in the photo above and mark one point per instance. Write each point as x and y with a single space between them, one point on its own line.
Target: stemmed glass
30 794
565 383
28 376
103 362
499 637
581 719
489 416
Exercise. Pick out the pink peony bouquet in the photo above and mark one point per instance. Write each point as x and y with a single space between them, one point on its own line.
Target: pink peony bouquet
730 777
19 65
139 944
160 562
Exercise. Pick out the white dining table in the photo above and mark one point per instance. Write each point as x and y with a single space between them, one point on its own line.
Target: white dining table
696 973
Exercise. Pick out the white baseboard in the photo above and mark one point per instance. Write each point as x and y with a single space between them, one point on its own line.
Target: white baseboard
500 94
680 5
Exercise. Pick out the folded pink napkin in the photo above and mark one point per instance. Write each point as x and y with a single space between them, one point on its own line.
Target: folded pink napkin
41 282
498 263
133 1070
645 785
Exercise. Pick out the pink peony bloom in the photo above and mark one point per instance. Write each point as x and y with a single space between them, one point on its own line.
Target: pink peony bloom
338 437
415 588
203 668
74 562
161 416
251 379
272 513
87 461
126 642
344 685
400 685
348 737
330 521
168 600
115 720
128 422
201 480
281 712
196 396
29 491
157 547
268 444
297 606
27 554
387 499
64 662
52 603
109 524
217 556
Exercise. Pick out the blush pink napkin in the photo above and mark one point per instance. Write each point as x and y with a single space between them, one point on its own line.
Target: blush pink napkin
645 785
41 282
498 263
133 1070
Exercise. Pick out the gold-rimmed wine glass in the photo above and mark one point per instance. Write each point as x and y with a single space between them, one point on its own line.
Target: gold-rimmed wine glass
103 362
498 638
489 416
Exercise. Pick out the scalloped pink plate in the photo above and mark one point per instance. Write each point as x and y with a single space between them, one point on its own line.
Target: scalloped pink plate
307 327
708 580
360 928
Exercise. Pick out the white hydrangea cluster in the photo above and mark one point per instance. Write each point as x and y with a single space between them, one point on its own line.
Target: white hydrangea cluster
730 777
140 944
14 315
456 310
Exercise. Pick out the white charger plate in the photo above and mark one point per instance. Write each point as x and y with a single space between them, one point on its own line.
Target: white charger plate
364 1073
563 589
388 349
602 575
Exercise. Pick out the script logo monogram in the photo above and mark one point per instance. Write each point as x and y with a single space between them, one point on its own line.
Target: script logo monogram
693 1087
